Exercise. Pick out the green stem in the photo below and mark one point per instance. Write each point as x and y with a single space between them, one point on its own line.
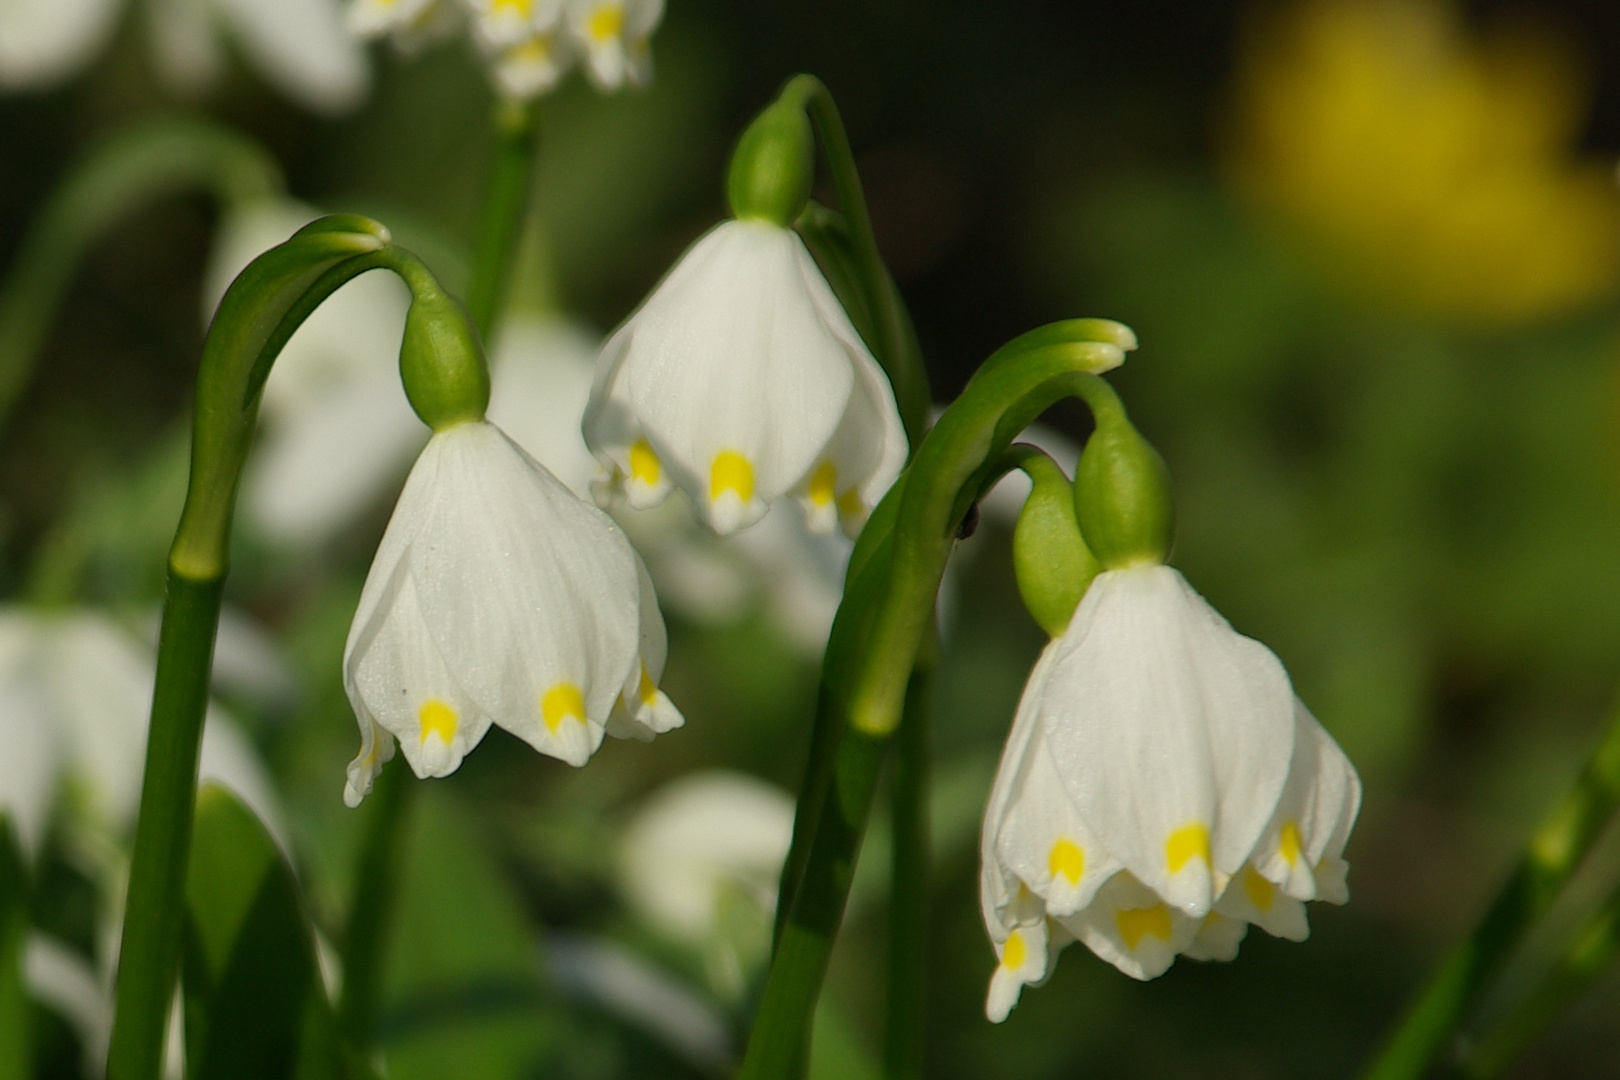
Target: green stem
500 222
153 911
248 330
897 350
905 1023
16 1011
1556 849
134 166
1590 951
371 914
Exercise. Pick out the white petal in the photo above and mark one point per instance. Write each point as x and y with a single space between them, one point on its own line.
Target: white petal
46 41
301 47
642 710
1251 898
1218 938
532 595
1044 840
400 680
1023 958
60 978
376 750
1314 815
532 66
1171 732
731 372
371 18
1130 927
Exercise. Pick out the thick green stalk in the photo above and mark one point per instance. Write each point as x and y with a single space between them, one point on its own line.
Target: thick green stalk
905 1023
153 912
1590 951
1556 849
500 221
257 315
371 914
134 166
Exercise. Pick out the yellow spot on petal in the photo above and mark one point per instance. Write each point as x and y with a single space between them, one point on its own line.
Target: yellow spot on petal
731 472
1259 891
1288 844
1067 860
436 718
648 690
1187 842
644 463
822 483
1133 923
521 8
559 703
1015 952
605 23
537 50
850 504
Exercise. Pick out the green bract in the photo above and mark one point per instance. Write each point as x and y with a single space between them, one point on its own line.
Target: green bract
1122 493
773 165
1053 564
441 361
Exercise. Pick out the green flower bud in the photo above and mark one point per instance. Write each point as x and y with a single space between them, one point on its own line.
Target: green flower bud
773 165
441 361
1122 494
1053 563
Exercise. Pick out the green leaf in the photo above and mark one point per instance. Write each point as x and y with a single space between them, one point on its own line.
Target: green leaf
255 1006
14 1008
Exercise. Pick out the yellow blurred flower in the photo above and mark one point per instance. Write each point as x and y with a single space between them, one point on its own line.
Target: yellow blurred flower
1432 167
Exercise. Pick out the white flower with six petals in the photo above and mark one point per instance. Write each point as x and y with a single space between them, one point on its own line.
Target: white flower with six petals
1161 789
498 596
740 379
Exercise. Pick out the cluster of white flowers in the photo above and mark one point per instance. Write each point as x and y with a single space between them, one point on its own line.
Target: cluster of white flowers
528 44
1162 788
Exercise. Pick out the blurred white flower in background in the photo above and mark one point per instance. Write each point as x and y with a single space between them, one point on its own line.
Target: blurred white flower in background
75 702
298 46
699 863
527 45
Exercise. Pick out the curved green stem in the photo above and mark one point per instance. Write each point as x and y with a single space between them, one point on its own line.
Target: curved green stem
500 223
141 163
877 641
1556 849
248 329
896 345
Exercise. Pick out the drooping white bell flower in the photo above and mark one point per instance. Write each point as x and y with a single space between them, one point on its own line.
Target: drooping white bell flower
615 36
741 380
498 596
298 46
1161 789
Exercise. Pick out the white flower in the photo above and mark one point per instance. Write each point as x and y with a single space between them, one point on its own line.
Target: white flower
614 35
498 596
75 702
1161 788
740 379
297 45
